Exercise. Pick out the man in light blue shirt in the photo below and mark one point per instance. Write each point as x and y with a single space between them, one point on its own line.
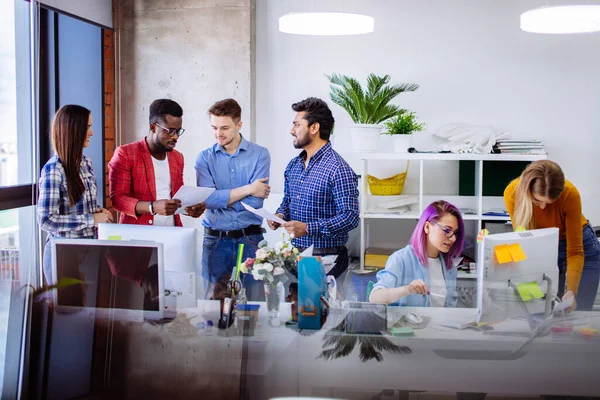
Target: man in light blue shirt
239 171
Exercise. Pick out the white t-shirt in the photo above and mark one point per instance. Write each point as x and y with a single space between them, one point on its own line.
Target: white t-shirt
437 283
163 189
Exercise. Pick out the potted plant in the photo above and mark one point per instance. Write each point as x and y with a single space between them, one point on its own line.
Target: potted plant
401 127
368 107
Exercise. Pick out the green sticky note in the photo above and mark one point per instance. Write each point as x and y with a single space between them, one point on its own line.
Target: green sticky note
402 331
535 290
524 291
114 238
530 290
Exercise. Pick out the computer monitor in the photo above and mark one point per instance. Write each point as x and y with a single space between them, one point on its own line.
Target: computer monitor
182 264
124 279
497 299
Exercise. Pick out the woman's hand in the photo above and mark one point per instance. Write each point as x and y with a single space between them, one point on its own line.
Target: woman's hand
417 287
102 216
568 295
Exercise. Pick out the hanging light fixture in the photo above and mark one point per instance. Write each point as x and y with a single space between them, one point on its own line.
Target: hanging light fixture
562 19
326 23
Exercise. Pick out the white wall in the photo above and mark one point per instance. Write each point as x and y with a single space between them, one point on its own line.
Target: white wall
473 64
195 52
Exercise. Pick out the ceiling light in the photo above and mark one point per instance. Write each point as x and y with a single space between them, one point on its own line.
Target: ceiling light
562 19
326 23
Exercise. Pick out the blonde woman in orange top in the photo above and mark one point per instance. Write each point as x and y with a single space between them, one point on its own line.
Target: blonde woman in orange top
542 198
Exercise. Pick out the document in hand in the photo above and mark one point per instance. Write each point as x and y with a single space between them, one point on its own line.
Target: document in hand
190 196
261 212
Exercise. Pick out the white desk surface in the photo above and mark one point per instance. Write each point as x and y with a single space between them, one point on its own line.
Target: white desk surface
282 361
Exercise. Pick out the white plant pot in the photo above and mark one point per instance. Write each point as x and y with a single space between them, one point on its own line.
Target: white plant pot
402 143
365 137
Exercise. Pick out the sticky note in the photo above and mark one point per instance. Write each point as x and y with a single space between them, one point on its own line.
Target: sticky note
482 233
529 291
535 290
516 252
402 331
502 254
523 289
114 238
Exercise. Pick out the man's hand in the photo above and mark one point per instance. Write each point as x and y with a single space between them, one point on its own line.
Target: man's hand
260 189
274 225
195 211
296 229
166 207
573 306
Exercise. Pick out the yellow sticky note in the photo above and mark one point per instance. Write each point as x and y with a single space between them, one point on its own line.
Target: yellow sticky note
524 291
502 254
516 252
114 238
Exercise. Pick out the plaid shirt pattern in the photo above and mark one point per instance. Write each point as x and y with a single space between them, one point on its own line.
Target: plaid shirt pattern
54 211
324 195
132 179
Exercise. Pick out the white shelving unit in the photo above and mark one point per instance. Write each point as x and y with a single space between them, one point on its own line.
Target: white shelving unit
370 211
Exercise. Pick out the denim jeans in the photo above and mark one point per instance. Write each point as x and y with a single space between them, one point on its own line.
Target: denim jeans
590 276
47 262
219 256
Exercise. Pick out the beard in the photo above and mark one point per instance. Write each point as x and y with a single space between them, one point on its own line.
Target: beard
162 146
301 143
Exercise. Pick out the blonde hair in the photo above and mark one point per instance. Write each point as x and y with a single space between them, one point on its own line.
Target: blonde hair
543 178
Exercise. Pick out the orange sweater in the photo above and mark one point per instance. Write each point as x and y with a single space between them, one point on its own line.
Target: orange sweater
564 214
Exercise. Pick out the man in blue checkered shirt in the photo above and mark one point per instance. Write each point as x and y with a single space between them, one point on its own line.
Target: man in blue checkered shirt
321 190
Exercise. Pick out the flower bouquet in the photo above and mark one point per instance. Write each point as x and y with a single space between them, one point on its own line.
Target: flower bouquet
270 265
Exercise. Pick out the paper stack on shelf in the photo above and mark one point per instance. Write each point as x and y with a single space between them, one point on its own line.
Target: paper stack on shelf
519 146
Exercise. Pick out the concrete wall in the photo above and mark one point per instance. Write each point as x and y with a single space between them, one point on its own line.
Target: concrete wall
472 62
192 51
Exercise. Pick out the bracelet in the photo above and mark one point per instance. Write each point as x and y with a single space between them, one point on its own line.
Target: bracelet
151 208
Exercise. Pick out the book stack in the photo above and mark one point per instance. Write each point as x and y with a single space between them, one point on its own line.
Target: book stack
509 146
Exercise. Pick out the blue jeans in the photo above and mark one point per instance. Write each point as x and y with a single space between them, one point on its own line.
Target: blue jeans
219 256
47 262
590 276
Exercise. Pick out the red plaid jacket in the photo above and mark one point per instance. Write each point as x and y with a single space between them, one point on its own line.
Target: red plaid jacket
131 177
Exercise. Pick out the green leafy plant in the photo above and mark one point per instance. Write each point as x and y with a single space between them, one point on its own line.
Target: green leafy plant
404 123
61 284
369 105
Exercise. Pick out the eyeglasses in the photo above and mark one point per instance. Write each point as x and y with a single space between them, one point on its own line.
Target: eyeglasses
172 131
447 231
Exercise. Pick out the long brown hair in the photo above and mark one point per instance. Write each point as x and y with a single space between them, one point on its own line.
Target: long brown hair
543 178
69 130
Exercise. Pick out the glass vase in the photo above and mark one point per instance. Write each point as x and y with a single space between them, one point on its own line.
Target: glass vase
273 295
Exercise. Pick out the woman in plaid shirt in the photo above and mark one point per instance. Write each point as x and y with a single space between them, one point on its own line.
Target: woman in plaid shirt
67 205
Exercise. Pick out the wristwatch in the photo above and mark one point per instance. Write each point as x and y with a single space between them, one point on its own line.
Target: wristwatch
151 208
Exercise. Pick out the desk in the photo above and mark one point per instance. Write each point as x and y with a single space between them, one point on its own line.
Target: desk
549 365
144 359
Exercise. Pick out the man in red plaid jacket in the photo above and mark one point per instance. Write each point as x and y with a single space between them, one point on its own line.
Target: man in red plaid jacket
145 175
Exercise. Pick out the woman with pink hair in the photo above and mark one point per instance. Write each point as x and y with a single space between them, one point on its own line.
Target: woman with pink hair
423 274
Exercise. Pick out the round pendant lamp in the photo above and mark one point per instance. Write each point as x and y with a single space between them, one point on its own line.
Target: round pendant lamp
562 19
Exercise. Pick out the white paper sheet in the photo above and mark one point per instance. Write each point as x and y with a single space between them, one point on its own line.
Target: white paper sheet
261 212
563 305
190 196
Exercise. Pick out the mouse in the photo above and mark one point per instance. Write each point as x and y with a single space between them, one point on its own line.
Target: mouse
413 319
